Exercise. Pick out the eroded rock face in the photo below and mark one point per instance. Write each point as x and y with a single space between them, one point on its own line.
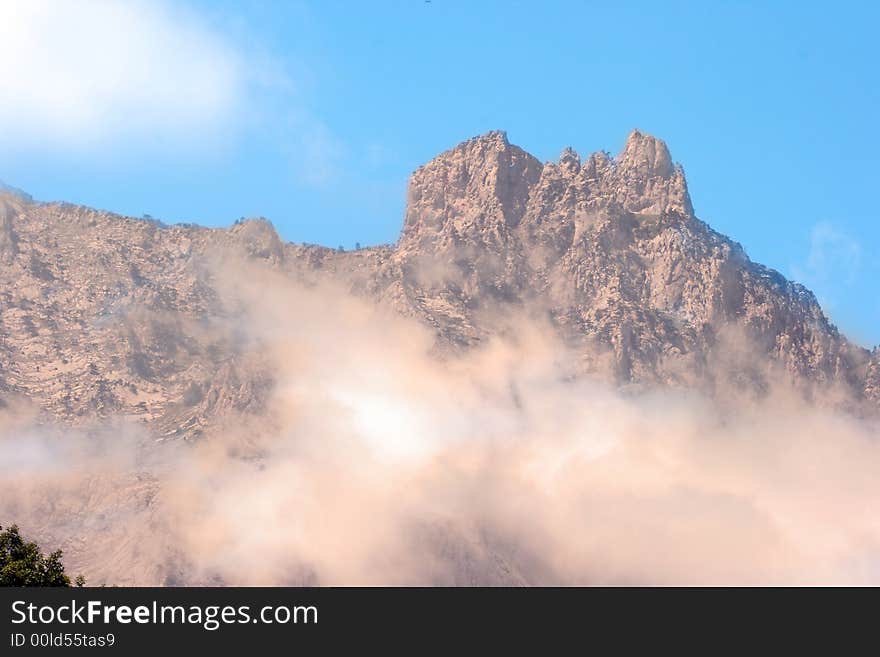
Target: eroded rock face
107 316
104 315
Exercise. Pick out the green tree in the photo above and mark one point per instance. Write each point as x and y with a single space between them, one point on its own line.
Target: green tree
22 563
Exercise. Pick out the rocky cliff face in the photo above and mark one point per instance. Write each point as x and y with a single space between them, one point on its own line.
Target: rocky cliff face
610 249
104 315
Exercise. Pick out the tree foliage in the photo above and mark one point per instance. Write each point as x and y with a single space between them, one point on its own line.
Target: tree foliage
22 563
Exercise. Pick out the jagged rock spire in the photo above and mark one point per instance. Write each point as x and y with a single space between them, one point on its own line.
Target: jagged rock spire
645 156
569 160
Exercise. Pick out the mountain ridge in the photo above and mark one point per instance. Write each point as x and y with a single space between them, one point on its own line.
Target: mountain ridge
607 250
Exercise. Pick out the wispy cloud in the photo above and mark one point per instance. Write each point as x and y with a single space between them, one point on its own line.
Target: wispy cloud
374 463
834 259
82 74
833 253
316 153
125 76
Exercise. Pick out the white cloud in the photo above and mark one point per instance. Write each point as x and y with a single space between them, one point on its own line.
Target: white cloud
89 77
85 73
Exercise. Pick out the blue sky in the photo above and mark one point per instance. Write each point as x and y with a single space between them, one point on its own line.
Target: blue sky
314 114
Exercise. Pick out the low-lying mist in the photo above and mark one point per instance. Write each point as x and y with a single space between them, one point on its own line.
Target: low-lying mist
377 463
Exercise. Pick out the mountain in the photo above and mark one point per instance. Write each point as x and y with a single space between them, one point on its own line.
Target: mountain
611 250
505 396
110 316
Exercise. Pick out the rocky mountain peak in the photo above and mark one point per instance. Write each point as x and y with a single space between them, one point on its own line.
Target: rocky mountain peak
475 190
569 160
259 238
480 190
492 137
645 156
476 151
645 180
